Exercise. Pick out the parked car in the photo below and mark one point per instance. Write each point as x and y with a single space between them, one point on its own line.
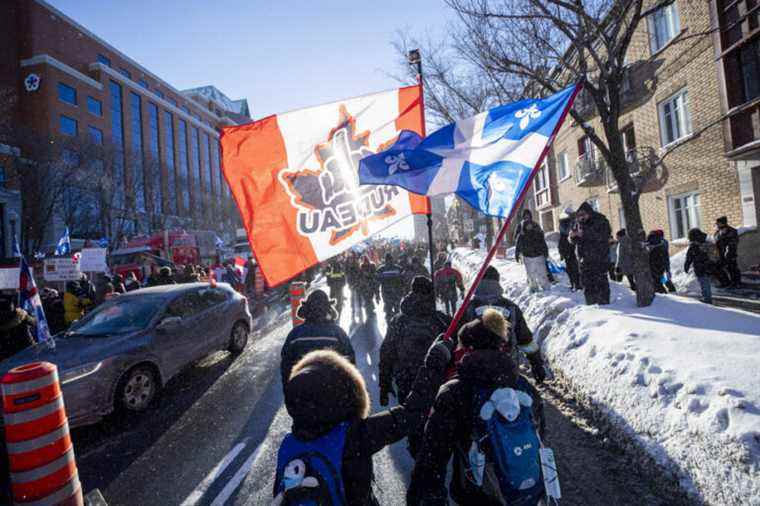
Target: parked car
120 355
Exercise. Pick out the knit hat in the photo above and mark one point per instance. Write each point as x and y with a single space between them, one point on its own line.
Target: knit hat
487 332
491 273
317 306
422 285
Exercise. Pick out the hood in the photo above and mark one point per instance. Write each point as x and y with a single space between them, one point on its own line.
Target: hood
488 368
586 207
324 390
488 289
417 305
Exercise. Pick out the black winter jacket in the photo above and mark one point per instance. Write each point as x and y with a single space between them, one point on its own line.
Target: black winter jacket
449 427
311 336
593 245
391 278
531 241
404 348
659 256
727 240
566 250
697 256
16 333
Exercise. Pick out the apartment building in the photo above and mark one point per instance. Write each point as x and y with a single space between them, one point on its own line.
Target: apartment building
65 83
682 82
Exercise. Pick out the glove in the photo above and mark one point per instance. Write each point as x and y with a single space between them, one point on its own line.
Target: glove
537 367
439 354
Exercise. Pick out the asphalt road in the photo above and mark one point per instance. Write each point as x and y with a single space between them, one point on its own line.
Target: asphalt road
212 439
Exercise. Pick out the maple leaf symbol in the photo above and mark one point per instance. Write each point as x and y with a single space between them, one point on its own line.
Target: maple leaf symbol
336 182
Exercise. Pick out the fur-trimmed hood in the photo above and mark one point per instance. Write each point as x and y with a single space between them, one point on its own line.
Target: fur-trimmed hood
324 389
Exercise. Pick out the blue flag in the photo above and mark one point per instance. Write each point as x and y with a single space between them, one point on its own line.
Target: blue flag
487 160
29 301
64 244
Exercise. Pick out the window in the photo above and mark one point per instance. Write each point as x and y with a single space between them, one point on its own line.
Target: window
183 167
629 138
94 106
215 166
155 166
104 60
172 102
186 306
541 186
138 176
143 83
196 154
563 166
664 25
96 134
207 183
169 149
117 135
684 214
186 109
126 73
675 119
68 126
159 93
67 94
749 62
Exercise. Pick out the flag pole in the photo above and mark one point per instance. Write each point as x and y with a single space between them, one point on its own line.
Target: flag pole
415 59
518 203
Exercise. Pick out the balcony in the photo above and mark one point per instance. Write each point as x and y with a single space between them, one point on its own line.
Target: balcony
640 162
589 171
744 129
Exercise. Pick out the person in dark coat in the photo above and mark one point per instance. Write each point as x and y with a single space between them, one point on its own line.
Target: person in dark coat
325 390
250 278
449 427
351 268
531 247
391 279
659 262
409 336
118 284
164 277
16 328
447 281
489 295
727 241
131 284
336 282
415 268
591 236
368 288
320 331
697 257
624 264
567 250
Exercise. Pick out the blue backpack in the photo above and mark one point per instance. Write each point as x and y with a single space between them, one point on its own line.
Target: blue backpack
309 473
504 459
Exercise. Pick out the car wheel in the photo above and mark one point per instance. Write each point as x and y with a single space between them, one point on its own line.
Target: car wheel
137 389
238 338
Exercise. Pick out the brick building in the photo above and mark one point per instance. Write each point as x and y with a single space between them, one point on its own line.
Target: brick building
675 100
158 145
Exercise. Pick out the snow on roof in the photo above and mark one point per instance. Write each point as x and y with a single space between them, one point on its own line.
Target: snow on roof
223 101
679 378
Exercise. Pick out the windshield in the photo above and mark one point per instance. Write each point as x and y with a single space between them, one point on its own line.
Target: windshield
119 316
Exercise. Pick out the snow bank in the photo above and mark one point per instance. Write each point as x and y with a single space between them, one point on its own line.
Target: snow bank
679 380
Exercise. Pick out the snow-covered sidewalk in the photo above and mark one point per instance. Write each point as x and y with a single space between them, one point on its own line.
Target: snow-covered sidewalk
679 379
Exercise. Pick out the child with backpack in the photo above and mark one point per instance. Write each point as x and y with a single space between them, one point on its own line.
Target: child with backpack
489 418
327 458
697 256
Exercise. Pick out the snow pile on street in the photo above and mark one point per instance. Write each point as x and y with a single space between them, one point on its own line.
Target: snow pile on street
677 380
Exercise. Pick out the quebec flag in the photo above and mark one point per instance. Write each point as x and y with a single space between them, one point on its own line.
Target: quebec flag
29 301
487 160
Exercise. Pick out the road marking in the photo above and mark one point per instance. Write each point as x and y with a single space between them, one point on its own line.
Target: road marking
201 489
239 476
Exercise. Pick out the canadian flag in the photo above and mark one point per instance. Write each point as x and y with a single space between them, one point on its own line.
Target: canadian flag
295 179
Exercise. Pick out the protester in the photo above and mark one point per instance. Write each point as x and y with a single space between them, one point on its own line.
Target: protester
451 426
659 262
697 257
118 283
440 261
531 246
727 241
320 331
52 304
250 279
131 283
189 275
489 295
368 288
415 268
74 302
624 265
164 277
16 328
392 287
590 235
336 281
352 280
567 250
447 281
612 270
328 400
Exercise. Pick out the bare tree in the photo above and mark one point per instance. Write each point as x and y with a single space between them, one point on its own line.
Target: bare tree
503 48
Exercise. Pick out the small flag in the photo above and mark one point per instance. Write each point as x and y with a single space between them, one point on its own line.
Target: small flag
487 160
16 248
103 243
64 244
218 242
29 301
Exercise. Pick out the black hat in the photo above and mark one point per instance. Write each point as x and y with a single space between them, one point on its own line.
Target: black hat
422 285
491 273
487 332
317 306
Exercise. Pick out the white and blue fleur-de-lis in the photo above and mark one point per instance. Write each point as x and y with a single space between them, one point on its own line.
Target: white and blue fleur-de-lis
396 163
526 115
